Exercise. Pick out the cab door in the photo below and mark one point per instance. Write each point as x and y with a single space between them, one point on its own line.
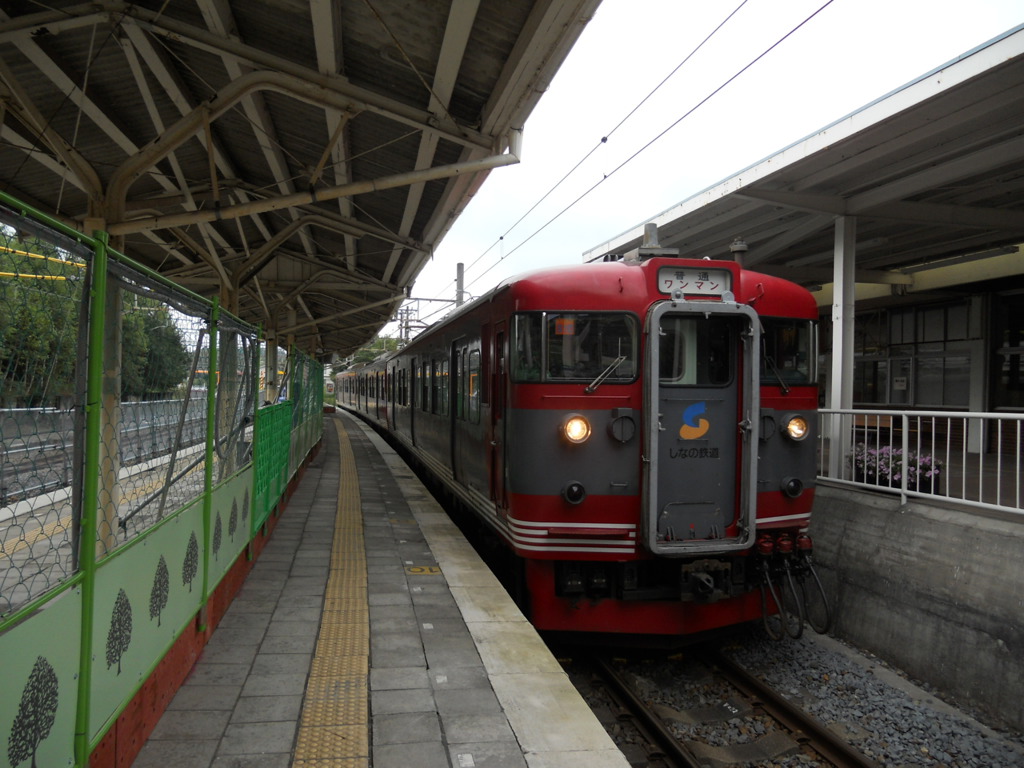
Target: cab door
700 399
499 388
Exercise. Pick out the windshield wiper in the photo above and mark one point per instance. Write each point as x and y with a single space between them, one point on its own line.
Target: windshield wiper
770 361
592 386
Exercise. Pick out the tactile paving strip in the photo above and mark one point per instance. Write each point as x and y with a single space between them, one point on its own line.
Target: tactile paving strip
335 726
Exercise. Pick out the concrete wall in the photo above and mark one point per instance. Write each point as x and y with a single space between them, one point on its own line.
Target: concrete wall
936 591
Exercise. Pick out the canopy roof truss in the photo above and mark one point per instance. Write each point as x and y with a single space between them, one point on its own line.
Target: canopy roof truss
299 158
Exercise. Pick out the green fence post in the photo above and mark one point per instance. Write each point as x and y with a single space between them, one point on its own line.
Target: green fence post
90 490
211 436
257 395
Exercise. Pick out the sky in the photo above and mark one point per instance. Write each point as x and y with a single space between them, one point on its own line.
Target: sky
774 72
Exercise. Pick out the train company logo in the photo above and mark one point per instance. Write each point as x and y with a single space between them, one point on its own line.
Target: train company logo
694 426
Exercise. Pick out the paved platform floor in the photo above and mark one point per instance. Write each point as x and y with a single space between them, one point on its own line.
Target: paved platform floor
369 632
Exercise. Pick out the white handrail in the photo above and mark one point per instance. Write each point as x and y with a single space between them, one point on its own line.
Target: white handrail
971 457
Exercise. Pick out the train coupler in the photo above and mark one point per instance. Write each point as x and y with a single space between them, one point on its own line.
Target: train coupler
705 581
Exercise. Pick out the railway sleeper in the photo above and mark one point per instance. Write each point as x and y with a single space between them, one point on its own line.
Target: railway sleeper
771 746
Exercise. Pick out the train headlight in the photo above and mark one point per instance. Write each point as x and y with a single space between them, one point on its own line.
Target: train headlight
797 428
576 428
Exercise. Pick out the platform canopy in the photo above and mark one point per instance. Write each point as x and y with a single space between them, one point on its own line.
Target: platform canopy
930 176
299 158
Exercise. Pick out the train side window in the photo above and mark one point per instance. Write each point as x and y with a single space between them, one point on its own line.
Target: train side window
581 346
527 347
788 351
473 387
443 390
435 383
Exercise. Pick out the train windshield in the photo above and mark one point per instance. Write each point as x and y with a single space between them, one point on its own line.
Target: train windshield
788 354
695 351
574 346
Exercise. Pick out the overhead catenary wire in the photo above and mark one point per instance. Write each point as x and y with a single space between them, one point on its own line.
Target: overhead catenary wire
658 136
639 151
608 135
602 142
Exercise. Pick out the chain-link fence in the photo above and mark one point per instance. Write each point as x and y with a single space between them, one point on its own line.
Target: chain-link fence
306 386
178 394
129 472
41 314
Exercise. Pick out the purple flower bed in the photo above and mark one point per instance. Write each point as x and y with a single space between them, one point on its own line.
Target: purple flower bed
887 466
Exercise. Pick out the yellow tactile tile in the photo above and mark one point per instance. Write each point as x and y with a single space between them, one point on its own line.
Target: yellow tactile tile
334 730
350 668
349 613
342 635
336 700
342 646
349 581
333 762
332 741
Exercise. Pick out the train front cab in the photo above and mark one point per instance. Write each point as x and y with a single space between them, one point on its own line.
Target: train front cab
703 482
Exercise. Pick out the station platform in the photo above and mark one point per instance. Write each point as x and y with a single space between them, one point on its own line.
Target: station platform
370 633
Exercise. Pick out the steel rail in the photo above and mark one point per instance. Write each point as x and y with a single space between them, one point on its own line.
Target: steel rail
805 728
670 749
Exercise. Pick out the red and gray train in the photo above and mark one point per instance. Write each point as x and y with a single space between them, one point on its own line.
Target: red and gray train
639 434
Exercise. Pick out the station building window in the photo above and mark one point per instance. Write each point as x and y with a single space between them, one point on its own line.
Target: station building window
916 356
1007 372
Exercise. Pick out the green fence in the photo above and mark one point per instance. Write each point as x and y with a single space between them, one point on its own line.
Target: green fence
135 468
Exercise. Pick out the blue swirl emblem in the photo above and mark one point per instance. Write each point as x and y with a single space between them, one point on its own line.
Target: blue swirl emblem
694 426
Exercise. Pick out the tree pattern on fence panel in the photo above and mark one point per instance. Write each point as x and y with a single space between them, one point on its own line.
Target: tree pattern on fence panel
233 519
36 713
161 587
190 567
120 635
218 534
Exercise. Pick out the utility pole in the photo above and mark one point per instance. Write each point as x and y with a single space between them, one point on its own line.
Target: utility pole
460 269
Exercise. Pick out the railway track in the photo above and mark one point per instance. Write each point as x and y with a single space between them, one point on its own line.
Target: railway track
654 739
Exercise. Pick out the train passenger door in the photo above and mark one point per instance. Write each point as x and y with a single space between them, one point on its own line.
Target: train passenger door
414 396
498 395
701 402
454 405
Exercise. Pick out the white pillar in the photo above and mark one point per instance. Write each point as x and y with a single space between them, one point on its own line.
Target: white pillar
841 375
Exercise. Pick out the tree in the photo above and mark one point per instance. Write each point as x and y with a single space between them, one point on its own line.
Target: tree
167 360
190 567
40 292
153 358
41 296
161 587
134 350
120 635
36 713
375 349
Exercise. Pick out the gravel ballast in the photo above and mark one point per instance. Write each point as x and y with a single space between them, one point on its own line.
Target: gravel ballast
891 720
